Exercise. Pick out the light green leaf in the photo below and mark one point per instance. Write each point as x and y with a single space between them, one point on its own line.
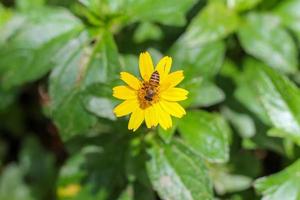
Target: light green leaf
198 61
282 185
147 31
71 172
207 134
202 93
127 194
169 12
82 66
243 123
28 5
213 23
242 5
289 13
176 173
98 100
257 38
5 15
280 99
225 182
246 91
167 135
12 186
30 42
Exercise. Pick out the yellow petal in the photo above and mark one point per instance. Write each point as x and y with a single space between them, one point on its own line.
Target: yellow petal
172 80
126 107
151 117
136 119
174 94
164 118
124 92
131 80
146 65
163 67
173 108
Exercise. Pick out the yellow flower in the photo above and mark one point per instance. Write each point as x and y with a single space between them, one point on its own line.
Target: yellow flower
154 98
69 191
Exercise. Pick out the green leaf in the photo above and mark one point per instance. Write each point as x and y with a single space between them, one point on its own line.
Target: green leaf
147 31
242 5
206 134
167 135
71 117
127 194
32 151
82 66
246 91
202 93
98 100
243 123
257 38
288 11
280 99
12 186
198 61
208 26
282 185
176 173
104 163
169 12
28 5
5 15
71 172
225 182
30 42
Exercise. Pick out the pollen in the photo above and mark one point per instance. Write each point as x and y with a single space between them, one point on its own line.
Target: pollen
148 95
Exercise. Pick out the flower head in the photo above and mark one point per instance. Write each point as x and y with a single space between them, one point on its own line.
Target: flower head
154 98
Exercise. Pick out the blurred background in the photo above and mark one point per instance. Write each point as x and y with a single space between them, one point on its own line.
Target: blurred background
60 59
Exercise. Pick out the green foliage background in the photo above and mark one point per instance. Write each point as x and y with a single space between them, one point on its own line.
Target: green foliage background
59 60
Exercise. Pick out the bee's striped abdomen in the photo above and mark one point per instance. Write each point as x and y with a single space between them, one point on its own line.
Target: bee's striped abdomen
154 79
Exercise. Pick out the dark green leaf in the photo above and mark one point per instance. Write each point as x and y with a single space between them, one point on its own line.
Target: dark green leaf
41 186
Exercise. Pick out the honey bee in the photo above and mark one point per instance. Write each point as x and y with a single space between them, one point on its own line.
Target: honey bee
151 90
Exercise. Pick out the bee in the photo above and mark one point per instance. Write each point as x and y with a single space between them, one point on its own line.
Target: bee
151 90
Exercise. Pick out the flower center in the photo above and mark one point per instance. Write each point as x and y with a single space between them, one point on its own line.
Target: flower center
148 94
